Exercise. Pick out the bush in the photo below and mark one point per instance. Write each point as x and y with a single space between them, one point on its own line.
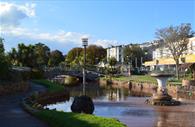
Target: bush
37 74
5 66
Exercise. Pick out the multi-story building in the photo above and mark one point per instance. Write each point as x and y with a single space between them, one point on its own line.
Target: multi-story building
162 56
116 52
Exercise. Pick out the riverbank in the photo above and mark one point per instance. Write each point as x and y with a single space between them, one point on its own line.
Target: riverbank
142 79
130 107
148 84
62 119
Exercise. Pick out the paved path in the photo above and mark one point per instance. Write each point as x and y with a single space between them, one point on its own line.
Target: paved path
12 114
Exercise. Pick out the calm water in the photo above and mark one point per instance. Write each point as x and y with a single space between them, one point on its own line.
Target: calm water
129 108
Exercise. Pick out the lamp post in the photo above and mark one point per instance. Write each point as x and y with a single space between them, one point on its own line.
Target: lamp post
85 44
136 62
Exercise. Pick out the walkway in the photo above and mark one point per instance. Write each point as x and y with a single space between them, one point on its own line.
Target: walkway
12 114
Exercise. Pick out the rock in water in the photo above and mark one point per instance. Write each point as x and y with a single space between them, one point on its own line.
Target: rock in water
82 104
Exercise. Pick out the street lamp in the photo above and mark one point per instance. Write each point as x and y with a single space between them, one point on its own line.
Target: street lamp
85 44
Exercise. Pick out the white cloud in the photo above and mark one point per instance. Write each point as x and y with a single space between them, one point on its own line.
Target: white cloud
60 37
57 37
11 14
105 43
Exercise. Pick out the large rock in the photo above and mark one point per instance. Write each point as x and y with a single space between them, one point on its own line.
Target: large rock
82 104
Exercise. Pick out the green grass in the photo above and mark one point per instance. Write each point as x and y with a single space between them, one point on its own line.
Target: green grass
136 78
139 78
63 119
144 78
51 87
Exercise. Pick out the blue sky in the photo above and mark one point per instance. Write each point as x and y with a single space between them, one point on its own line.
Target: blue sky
60 24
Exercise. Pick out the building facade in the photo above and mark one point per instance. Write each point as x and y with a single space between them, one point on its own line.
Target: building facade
162 56
116 52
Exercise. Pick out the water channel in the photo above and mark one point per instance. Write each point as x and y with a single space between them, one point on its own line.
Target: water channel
130 107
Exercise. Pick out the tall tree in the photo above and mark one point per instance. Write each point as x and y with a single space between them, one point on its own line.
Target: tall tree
55 58
112 61
42 53
1 46
176 39
133 52
4 63
13 56
73 54
26 55
95 54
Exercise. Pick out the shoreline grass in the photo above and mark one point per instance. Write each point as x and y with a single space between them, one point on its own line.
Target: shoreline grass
67 119
144 78
51 86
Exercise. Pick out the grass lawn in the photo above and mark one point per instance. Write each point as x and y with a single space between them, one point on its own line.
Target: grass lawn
51 87
64 119
144 78
138 78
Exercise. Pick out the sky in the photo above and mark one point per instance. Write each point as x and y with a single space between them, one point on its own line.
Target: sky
60 24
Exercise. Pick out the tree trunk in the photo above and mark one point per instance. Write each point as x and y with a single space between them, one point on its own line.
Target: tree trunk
177 68
193 70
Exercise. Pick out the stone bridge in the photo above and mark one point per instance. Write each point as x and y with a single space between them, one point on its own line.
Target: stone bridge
90 75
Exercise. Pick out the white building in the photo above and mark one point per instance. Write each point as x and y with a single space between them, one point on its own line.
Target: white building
116 52
162 56
164 52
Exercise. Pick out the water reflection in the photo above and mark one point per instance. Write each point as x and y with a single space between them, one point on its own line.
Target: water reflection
107 93
129 107
175 119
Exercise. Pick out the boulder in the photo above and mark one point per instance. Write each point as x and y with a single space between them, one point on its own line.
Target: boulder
82 104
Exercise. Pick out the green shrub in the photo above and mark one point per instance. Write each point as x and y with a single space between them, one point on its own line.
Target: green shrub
37 74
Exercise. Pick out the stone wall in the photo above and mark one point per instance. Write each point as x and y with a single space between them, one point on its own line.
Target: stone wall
174 90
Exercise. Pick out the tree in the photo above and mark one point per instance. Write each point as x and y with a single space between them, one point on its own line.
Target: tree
34 56
42 53
133 52
26 55
1 46
73 54
13 56
55 58
95 54
176 39
4 63
193 70
112 61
